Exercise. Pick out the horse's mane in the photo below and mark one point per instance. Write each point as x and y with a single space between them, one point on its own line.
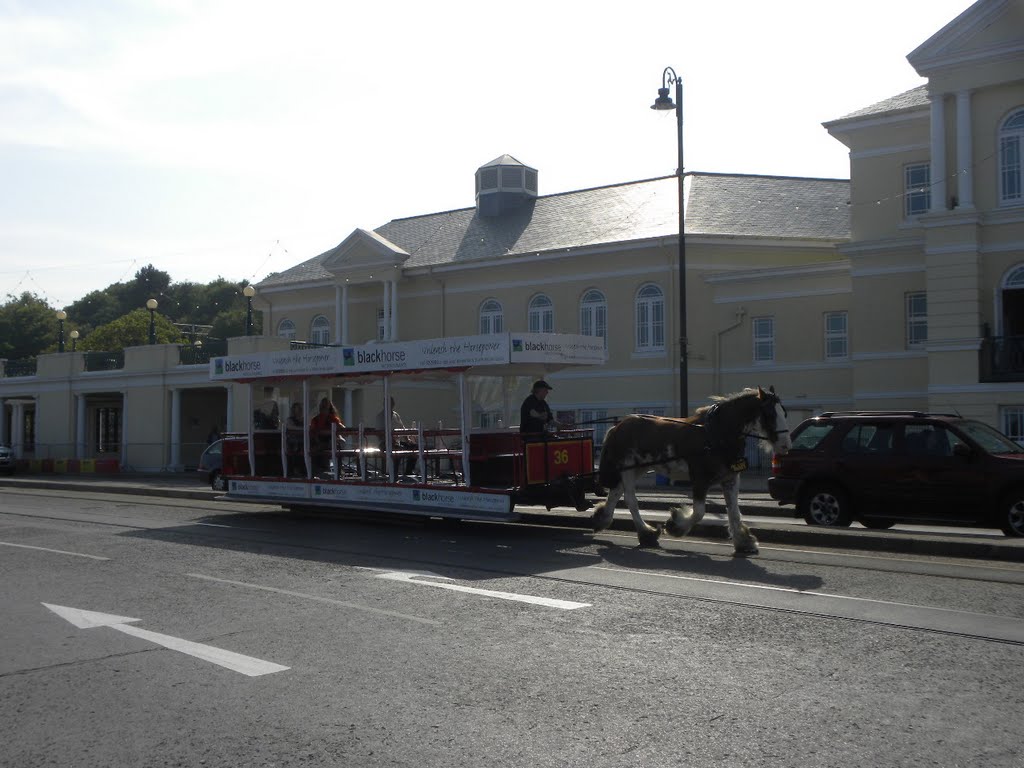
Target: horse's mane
725 399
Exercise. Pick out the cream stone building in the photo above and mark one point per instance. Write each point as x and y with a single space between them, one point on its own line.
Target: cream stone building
900 288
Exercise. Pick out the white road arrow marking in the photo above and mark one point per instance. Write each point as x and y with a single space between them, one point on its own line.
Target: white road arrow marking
413 578
236 662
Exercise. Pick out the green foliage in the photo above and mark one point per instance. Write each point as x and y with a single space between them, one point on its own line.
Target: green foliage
131 330
231 322
219 303
28 325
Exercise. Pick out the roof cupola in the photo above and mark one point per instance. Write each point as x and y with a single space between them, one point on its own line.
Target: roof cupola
504 184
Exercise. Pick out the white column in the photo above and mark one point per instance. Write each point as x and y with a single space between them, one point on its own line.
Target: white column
964 163
344 316
3 422
229 419
18 430
387 310
81 406
393 331
124 430
251 425
938 151
339 301
175 430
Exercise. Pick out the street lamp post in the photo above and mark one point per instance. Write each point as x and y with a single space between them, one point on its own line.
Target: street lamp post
664 102
151 306
248 292
74 340
61 317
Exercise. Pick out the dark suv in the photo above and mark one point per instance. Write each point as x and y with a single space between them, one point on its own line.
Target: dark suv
883 467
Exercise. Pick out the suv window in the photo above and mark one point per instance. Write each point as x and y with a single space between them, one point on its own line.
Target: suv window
810 437
874 439
929 440
988 438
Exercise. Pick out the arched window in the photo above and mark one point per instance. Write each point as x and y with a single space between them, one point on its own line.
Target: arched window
1011 149
320 330
492 317
650 319
286 329
541 315
594 315
1010 309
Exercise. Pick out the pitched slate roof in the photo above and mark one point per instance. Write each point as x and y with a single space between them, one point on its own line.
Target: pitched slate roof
718 204
907 101
768 206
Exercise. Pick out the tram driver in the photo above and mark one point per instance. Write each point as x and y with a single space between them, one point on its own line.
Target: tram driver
535 413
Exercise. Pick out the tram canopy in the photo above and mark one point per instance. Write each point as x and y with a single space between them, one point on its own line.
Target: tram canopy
485 355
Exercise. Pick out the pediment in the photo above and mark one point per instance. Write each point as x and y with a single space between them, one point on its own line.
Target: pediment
362 253
990 32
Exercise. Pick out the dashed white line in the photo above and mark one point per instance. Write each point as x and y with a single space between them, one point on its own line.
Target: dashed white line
55 551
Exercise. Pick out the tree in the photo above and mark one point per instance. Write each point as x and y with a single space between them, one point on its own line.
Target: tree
231 322
28 326
131 330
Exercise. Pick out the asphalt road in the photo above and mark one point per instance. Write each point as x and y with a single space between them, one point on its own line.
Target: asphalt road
146 631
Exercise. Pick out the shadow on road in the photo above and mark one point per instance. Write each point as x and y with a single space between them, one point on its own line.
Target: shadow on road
473 551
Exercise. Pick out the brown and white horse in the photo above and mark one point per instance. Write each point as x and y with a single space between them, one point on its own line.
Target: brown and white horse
710 443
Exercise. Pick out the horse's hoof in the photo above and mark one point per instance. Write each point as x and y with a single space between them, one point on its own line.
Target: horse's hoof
650 538
745 551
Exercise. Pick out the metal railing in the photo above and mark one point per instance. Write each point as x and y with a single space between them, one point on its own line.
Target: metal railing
200 355
1001 358
310 345
103 361
13 368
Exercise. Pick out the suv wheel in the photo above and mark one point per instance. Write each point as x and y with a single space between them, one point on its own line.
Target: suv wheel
826 505
1011 516
217 481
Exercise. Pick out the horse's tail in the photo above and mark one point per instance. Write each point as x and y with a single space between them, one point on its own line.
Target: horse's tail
609 473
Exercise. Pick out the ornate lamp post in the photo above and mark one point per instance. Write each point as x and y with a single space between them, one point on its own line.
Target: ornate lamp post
74 340
664 102
248 292
61 317
151 306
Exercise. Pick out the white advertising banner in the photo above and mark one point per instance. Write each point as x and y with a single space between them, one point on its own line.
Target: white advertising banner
293 362
426 354
556 348
457 352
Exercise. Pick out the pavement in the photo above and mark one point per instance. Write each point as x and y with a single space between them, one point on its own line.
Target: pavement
770 522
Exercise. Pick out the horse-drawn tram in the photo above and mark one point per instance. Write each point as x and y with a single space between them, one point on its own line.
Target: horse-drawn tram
388 467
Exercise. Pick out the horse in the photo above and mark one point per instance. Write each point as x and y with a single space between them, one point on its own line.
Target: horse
710 442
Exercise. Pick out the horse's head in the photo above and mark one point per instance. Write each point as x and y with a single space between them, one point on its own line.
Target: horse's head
773 420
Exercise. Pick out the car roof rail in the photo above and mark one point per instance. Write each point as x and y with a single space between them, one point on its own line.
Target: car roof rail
888 413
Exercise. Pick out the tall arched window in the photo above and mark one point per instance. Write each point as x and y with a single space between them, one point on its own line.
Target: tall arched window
320 330
541 315
1011 149
1011 303
650 319
594 315
286 329
492 318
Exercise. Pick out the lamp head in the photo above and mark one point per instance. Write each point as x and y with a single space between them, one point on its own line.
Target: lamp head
664 101
151 304
248 291
74 334
62 315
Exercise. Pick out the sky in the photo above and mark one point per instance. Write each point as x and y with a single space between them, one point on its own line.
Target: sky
236 138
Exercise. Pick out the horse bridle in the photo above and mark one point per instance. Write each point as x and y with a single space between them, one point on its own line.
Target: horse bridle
768 406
